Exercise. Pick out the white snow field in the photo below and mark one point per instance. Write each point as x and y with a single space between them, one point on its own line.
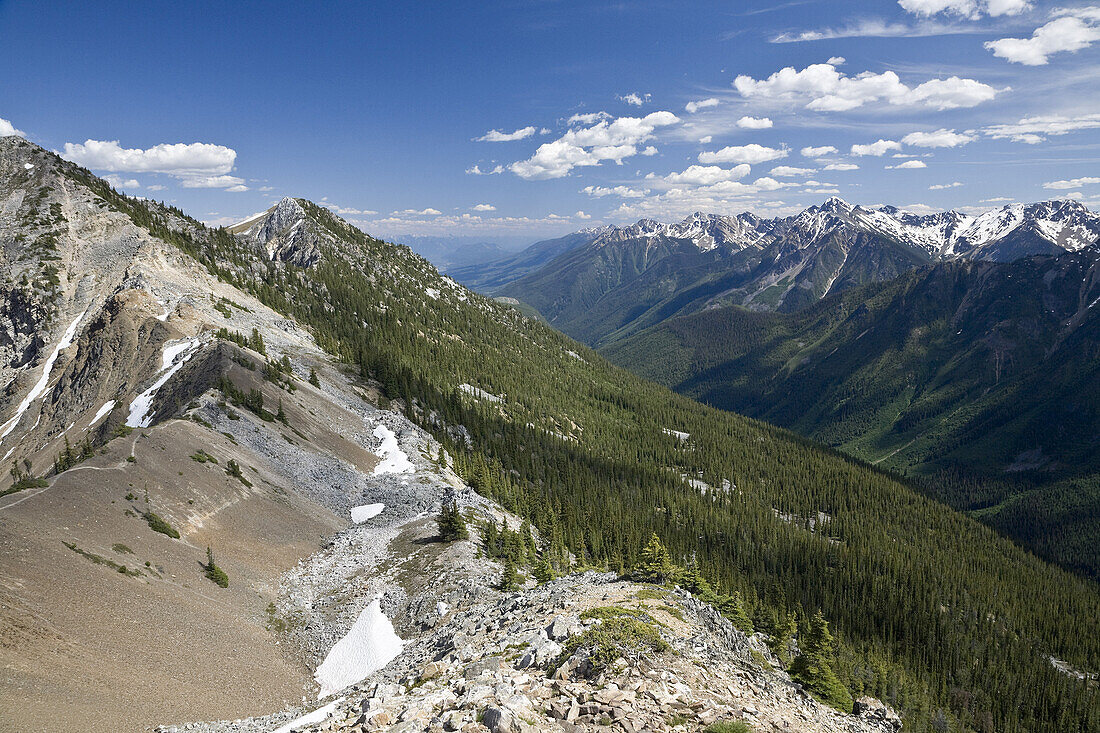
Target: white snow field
369 646
360 514
393 458
173 359
40 387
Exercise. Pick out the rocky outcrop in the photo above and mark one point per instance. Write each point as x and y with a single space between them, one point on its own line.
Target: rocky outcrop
519 663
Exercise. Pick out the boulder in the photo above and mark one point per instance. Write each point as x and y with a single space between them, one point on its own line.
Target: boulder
877 713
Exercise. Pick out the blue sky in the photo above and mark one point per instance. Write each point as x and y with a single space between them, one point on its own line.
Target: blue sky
527 119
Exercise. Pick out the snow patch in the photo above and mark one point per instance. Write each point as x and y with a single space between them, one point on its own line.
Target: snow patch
370 645
360 514
432 293
107 407
393 458
40 387
676 433
172 360
29 166
317 716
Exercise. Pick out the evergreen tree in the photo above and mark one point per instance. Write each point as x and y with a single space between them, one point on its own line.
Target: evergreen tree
544 572
509 576
256 343
813 667
313 377
654 566
451 524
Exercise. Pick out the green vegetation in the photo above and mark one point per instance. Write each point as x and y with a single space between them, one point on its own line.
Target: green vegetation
100 560
201 456
617 635
158 524
122 549
451 524
70 456
728 726
943 611
814 666
313 377
213 573
234 469
978 379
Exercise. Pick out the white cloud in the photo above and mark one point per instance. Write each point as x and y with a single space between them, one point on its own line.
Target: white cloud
812 152
693 107
346 211
239 188
497 136
942 186
942 138
972 9
484 207
823 88
422 212
635 99
707 175
1065 34
751 153
877 148
754 123
873 28
841 167
155 187
706 139
582 216
908 165
7 129
475 170
178 159
621 191
1071 183
226 182
1033 130
613 140
121 183
588 118
787 171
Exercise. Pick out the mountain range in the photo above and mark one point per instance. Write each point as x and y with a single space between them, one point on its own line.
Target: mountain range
617 280
229 448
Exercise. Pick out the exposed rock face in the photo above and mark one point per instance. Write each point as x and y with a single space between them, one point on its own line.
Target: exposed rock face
877 713
497 665
285 233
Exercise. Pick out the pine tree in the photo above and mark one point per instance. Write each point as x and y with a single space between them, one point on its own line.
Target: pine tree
256 343
813 667
655 565
451 524
509 576
544 572
313 377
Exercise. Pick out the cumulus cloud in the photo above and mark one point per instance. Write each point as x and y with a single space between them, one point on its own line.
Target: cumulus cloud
818 152
588 118
1036 129
7 129
422 212
824 88
754 123
972 9
841 167
475 170
625 192
582 216
942 138
119 182
942 186
634 99
346 211
1071 183
613 140
908 165
178 159
787 171
751 153
498 136
707 175
693 107
484 207
1068 33
877 148
227 182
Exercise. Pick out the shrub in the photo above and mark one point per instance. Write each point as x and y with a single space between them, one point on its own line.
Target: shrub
158 524
728 726
213 572
617 636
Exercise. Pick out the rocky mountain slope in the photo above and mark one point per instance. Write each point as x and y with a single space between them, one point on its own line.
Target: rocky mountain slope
486 276
633 277
300 398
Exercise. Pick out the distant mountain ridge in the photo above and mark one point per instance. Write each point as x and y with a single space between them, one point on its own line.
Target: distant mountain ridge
632 277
